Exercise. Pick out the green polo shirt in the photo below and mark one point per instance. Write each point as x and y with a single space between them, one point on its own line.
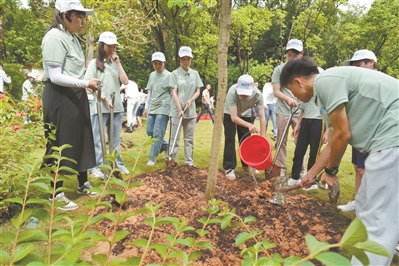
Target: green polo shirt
371 100
282 107
60 48
310 109
111 83
243 105
186 83
160 100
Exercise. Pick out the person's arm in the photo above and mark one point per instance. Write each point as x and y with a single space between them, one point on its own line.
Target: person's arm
195 96
295 132
340 138
147 104
237 120
325 135
262 120
122 74
175 98
56 77
7 79
277 93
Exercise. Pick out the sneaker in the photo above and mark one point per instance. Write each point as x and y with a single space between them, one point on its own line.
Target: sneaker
303 172
97 174
129 130
293 182
397 250
124 170
69 205
191 164
151 163
251 170
84 190
312 187
350 206
230 175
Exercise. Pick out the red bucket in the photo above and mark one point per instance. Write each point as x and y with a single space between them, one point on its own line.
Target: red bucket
256 152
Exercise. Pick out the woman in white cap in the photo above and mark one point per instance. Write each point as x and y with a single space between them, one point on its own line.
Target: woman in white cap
109 70
65 105
157 107
185 84
27 92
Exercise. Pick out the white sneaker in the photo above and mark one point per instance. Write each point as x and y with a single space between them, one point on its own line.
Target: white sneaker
151 163
97 173
85 190
124 170
230 174
253 170
303 172
312 187
293 182
69 205
350 206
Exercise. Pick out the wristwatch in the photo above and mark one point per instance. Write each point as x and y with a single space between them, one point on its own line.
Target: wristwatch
331 171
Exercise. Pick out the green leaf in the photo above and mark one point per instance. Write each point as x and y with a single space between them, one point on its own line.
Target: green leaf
313 244
142 242
120 235
118 182
233 225
111 216
41 214
116 261
242 238
166 220
99 258
373 247
356 232
31 260
142 210
132 261
13 200
202 232
292 260
136 184
204 244
32 236
7 238
125 216
187 228
214 221
98 238
249 219
72 257
194 255
331 258
161 245
96 219
120 197
21 251
4 256
41 187
58 233
170 238
185 242
202 220
226 220
267 245
59 216
358 253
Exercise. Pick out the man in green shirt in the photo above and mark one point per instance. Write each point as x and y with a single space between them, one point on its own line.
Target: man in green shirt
361 107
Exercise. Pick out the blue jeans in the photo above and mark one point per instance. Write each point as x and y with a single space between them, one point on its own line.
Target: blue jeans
116 141
270 112
156 128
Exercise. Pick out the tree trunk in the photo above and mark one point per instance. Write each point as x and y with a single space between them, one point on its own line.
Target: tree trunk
224 39
89 43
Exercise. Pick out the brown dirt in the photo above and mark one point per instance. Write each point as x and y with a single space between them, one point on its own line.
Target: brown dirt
182 191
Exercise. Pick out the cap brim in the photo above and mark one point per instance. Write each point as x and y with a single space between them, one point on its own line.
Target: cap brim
293 48
247 92
89 12
183 55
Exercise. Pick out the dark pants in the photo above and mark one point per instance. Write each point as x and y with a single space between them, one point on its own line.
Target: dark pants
309 135
205 107
230 129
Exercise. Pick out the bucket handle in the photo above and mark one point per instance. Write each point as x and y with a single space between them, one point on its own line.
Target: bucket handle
247 134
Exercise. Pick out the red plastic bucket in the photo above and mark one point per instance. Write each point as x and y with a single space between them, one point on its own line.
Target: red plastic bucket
256 152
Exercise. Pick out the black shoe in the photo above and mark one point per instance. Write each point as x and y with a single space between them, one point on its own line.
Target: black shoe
129 130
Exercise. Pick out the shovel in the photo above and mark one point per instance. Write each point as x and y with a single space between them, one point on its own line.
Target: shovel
101 125
177 132
333 194
274 170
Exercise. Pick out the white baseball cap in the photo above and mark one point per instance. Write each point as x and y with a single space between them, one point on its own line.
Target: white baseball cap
185 51
360 55
68 5
31 75
294 44
245 85
108 37
158 56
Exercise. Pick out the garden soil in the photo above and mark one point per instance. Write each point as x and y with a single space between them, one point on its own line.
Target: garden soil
182 192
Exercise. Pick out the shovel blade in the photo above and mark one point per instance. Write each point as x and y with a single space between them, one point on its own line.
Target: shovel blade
334 193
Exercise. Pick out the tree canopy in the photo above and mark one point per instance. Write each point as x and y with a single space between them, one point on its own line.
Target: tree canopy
259 32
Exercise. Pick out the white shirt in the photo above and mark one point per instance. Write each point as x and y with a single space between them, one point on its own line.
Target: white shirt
131 90
3 78
268 95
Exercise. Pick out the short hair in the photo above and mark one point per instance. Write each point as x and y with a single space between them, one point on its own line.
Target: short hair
366 61
294 51
298 67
